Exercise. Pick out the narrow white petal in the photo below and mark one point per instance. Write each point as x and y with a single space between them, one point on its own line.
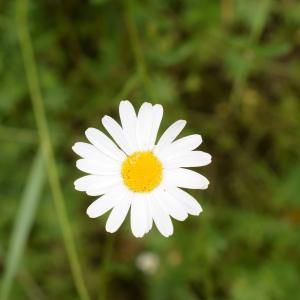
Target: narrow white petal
170 204
182 145
149 213
82 183
189 142
188 160
144 126
191 204
102 205
138 217
186 178
116 132
86 150
119 213
97 167
128 121
104 144
161 219
105 184
170 134
157 117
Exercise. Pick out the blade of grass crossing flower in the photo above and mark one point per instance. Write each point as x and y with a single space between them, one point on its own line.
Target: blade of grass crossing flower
23 223
46 144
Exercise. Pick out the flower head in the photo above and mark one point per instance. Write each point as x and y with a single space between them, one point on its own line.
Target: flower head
134 172
148 262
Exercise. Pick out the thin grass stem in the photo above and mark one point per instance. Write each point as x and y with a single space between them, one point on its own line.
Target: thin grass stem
45 140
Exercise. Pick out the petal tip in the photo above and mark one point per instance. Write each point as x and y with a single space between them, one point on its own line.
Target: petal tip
184 218
199 211
88 131
90 213
109 229
89 193
159 106
182 122
122 102
206 185
168 235
76 187
138 236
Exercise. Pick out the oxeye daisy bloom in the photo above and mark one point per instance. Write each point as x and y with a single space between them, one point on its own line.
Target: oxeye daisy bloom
135 173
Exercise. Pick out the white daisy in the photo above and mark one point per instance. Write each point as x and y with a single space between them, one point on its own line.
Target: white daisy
136 173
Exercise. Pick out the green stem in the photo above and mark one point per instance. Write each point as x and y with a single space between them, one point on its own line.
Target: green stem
42 125
104 274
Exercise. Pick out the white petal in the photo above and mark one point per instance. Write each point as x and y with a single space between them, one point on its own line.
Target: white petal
161 218
128 121
189 142
116 131
118 213
170 204
144 126
182 145
157 110
186 178
102 205
138 216
86 150
97 167
105 184
190 203
104 144
170 134
82 183
188 160
149 213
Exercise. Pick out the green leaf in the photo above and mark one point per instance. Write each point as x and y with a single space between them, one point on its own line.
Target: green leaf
272 50
23 223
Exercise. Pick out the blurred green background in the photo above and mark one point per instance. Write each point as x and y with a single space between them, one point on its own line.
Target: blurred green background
229 67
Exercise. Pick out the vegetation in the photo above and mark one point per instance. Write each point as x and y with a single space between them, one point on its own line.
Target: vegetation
229 67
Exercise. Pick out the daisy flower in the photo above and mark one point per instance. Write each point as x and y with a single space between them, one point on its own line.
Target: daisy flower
130 171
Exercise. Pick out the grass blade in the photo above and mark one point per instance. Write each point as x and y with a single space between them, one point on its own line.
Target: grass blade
23 223
46 144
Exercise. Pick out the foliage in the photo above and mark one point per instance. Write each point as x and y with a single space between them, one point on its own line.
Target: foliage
232 69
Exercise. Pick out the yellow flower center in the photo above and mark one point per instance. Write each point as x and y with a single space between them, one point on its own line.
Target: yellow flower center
142 171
